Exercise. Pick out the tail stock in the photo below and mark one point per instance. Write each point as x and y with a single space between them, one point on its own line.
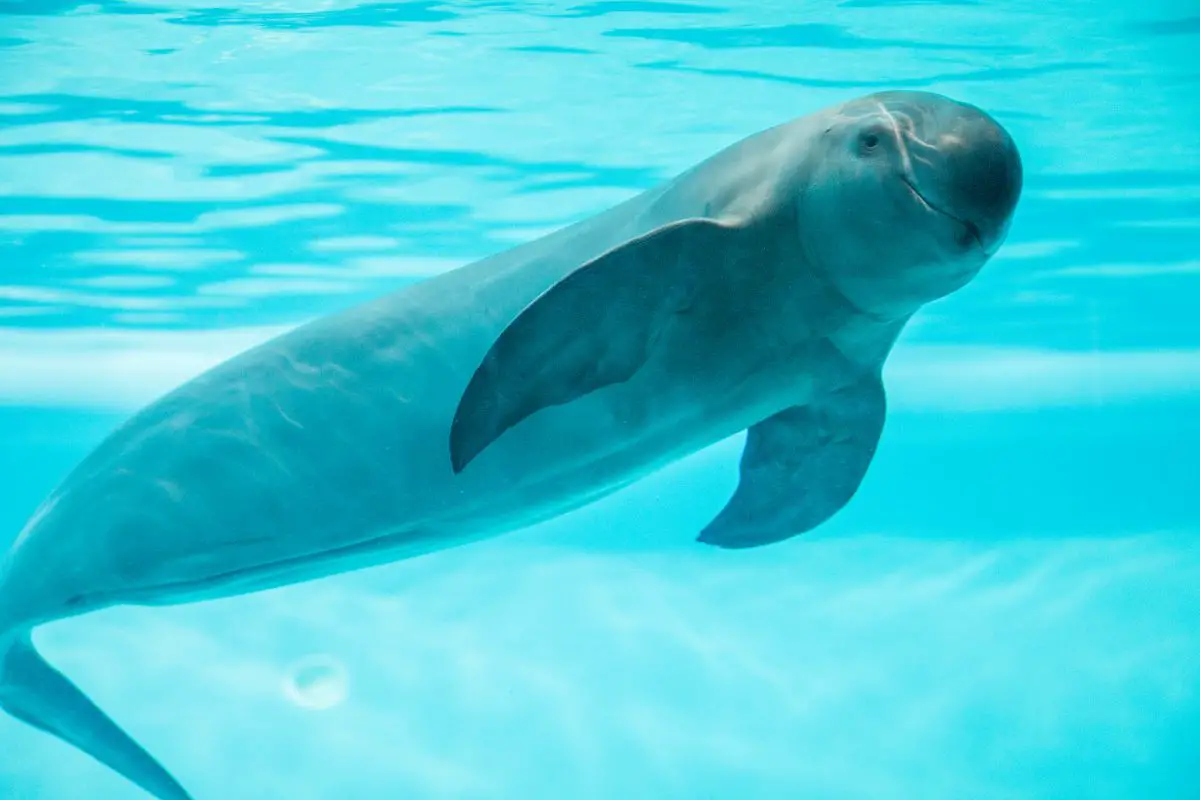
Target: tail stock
36 693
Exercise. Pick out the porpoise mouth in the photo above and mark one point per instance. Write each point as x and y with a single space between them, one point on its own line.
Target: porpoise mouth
971 227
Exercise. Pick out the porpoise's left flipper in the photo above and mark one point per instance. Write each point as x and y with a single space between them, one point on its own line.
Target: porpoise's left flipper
801 466
592 329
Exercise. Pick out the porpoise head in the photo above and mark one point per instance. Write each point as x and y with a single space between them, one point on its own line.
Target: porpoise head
909 194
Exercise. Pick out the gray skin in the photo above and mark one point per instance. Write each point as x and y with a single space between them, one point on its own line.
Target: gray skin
761 290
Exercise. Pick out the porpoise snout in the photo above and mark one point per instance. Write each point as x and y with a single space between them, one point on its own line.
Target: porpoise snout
983 176
962 162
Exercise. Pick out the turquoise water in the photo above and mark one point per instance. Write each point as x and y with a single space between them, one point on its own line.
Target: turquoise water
1009 607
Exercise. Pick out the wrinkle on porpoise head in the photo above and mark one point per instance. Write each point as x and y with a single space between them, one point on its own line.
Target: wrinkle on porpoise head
898 135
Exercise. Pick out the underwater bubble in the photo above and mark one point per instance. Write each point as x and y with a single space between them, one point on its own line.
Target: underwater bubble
317 682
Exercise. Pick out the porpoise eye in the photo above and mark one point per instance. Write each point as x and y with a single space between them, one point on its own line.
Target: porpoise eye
868 142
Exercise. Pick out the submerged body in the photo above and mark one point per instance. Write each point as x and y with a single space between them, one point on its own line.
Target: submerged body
750 292
333 437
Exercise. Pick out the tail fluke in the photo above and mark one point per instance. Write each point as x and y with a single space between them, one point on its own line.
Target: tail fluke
35 692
